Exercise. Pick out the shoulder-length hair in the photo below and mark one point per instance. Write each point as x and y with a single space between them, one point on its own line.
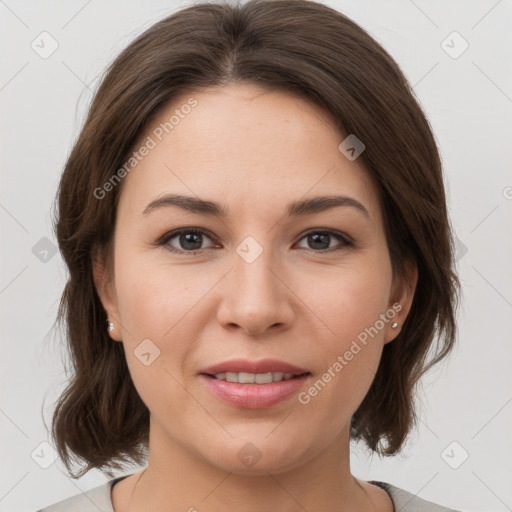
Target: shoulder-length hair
302 47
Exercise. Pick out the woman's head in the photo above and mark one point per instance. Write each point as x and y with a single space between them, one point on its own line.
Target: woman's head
252 107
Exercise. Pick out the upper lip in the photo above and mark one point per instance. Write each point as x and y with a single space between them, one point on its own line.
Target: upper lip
262 366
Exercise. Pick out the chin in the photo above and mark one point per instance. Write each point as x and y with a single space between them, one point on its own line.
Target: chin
256 458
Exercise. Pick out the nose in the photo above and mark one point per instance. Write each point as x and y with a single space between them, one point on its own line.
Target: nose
255 297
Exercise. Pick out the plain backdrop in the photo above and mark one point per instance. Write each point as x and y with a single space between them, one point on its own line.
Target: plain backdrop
460 454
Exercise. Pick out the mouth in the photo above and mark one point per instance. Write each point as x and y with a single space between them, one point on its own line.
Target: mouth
254 391
250 384
255 378
250 372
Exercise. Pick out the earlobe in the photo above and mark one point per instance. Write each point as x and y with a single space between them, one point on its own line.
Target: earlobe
394 328
402 299
105 292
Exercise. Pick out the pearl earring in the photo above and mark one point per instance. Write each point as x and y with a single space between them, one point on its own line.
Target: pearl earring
394 325
110 326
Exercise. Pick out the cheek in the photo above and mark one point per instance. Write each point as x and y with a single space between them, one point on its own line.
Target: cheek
352 306
153 303
351 299
153 297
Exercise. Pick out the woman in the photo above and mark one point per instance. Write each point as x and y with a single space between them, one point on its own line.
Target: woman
260 256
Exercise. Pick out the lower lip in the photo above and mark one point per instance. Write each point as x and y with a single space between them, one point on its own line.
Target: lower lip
254 396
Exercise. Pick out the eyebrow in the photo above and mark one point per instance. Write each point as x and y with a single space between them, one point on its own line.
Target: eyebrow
215 209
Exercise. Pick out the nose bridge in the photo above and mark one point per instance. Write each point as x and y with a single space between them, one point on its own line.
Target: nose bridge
255 298
252 270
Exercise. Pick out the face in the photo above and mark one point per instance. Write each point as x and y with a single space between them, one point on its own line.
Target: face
312 287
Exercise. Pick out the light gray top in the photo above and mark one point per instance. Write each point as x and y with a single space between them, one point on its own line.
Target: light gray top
98 500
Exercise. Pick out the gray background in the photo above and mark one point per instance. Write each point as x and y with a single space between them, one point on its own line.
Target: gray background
468 99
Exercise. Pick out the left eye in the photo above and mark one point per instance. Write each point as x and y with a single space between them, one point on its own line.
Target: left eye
320 237
190 240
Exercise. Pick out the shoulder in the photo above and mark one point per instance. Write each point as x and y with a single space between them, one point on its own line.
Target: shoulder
405 501
97 498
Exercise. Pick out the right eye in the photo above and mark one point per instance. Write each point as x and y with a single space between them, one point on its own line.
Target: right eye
189 239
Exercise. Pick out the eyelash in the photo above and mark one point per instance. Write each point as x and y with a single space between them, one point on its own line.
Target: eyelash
163 241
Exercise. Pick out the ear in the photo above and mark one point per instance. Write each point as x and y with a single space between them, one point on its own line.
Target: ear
104 283
401 300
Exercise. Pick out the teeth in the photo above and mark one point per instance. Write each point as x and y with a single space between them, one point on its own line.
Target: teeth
251 378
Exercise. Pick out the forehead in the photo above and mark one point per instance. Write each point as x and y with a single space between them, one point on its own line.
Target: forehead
240 142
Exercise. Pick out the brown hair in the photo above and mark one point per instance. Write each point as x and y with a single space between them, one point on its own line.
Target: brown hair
302 47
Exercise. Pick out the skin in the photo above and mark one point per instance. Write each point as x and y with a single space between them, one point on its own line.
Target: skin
253 151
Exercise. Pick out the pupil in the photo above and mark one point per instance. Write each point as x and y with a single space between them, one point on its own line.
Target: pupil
188 238
315 238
